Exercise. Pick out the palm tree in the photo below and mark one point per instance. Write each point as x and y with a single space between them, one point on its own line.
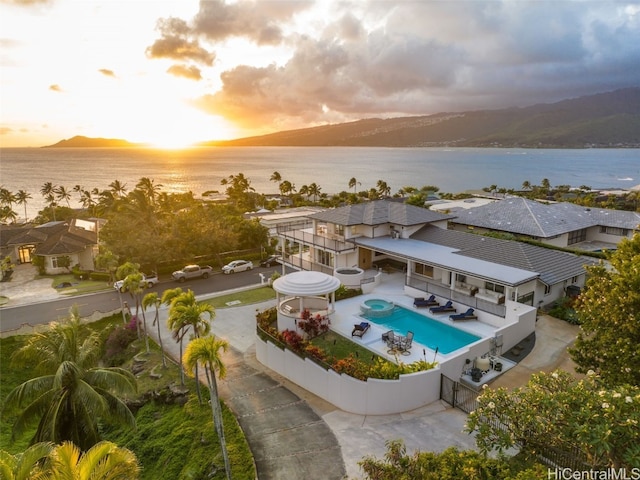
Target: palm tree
174 324
205 350
74 395
353 183
314 189
286 187
6 197
383 189
275 177
526 185
149 188
119 189
63 194
152 299
103 461
26 465
21 199
187 313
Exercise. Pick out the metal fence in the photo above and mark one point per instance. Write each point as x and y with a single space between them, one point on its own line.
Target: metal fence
465 398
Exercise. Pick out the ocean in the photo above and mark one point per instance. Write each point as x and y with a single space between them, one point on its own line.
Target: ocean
201 169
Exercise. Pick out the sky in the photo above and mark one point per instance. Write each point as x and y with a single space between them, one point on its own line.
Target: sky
173 72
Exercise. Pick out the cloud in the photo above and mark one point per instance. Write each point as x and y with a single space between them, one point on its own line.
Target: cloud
6 131
176 45
55 88
191 72
363 59
26 3
259 21
106 72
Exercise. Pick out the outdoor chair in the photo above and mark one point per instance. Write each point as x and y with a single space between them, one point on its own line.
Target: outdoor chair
405 343
447 307
360 329
468 315
429 302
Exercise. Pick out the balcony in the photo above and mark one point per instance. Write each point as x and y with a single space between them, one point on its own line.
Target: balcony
318 239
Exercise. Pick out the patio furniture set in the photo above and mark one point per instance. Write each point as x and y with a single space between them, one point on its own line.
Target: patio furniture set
398 343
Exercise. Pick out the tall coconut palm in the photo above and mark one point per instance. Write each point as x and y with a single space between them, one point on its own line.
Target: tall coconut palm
206 351
176 327
21 199
74 395
383 188
353 183
153 300
149 188
26 465
103 461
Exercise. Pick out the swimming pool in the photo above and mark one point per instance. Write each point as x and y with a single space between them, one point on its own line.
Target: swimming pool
427 331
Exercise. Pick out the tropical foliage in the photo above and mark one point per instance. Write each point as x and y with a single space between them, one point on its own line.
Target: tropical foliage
206 351
584 418
452 464
74 394
609 313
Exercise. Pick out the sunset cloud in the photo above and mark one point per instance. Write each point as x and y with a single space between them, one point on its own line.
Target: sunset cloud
106 72
186 71
397 58
55 88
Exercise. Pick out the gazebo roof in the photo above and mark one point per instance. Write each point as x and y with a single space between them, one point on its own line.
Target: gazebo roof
306 284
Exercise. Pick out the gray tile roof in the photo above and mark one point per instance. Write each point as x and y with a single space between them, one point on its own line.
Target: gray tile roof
529 217
552 265
379 212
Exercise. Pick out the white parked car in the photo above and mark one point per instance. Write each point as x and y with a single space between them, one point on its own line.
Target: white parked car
148 281
237 266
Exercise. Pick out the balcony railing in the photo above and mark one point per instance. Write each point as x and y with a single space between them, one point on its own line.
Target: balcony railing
334 243
444 291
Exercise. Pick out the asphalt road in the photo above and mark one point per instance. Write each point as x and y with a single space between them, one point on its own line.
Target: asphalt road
107 301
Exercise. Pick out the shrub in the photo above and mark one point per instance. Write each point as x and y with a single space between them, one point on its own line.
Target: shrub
294 340
117 343
100 276
343 292
313 325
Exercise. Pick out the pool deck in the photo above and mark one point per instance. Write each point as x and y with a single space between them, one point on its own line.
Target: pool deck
348 315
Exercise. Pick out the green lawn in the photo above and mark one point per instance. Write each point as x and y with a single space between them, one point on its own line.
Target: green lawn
337 346
76 287
245 297
170 441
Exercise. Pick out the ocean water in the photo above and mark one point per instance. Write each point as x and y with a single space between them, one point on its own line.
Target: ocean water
201 169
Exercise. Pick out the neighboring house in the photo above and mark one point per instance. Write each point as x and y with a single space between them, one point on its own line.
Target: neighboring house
288 217
77 240
470 269
558 224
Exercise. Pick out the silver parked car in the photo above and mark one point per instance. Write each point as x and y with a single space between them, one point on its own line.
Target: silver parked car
237 266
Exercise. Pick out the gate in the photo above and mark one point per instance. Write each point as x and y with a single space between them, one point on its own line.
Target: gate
458 395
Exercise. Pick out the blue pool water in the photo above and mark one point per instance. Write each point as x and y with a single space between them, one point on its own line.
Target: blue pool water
427 331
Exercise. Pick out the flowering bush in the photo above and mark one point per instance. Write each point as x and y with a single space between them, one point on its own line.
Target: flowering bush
294 340
557 411
313 325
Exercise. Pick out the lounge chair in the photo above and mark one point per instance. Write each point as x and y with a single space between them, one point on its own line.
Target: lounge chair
360 329
429 302
447 307
468 315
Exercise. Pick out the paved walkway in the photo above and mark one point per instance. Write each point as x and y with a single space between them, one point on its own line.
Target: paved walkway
296 435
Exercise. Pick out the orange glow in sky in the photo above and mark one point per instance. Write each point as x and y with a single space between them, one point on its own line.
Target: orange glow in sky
175 72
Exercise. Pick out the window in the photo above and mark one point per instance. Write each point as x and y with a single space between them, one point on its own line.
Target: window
621 232
577 236
339 229
57 262
461 278
547 289
324 258
426 270
574 279
493 287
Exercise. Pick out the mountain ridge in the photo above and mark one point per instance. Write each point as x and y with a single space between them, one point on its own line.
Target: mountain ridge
610 119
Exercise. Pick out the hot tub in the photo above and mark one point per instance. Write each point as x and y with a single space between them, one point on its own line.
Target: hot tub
376 308
349 276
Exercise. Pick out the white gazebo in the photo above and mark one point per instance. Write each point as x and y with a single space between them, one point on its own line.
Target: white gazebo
304 290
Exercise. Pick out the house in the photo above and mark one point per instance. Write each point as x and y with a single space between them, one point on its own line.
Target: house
559 224
77 239
477 271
